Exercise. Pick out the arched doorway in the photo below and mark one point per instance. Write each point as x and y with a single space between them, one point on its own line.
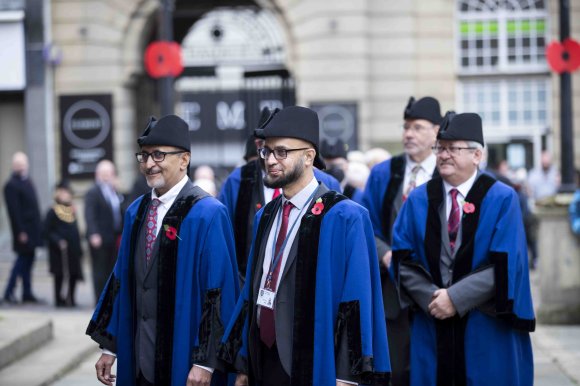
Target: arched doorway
235 60
234 66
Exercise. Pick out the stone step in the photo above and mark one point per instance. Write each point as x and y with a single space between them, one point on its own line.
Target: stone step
55 358
20 334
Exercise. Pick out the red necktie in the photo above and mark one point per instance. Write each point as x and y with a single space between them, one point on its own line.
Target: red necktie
151 228
453 221
276 193
267 324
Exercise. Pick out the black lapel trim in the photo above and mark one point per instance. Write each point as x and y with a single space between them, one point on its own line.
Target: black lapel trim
246 192
433 228
348 190
167 265
139 220
395 182
464 257
268 216
305 291
504 305
97 329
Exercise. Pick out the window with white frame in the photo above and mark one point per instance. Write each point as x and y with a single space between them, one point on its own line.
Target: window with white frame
502 35
516 104
503 74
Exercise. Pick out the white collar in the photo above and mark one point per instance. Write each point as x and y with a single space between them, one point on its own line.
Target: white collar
300 199
427 165
463 188
170 196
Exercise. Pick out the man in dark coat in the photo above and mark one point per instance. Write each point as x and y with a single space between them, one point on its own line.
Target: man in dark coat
104 219
24 214
388 186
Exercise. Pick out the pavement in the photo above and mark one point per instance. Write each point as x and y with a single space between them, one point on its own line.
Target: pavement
42 345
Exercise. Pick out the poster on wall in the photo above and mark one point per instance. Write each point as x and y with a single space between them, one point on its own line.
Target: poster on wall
338 121
86 133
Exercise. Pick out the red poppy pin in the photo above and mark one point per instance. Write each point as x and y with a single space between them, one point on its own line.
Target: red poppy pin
258 206
171 232
318 207
468 207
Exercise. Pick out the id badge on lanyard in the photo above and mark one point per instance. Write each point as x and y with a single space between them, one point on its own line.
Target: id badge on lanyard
266 298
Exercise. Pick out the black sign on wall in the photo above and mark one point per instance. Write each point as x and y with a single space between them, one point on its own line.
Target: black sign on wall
338 121
86 133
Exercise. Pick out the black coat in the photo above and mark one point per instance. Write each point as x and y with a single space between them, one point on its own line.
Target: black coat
56 229
24 213
99 216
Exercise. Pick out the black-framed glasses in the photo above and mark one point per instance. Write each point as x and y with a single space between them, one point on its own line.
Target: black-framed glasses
453 150
279 152
157 155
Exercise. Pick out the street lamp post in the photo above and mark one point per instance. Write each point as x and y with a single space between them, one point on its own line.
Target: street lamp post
166 34
566 129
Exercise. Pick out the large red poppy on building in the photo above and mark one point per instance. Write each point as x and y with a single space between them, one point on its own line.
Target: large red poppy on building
564 56
163 58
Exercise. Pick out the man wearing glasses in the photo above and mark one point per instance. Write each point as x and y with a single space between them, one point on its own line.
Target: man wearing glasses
174 285
459 253
388 186
244 193
311 309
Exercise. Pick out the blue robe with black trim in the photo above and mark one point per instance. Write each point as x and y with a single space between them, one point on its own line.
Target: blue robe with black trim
488 345
339 294
198 288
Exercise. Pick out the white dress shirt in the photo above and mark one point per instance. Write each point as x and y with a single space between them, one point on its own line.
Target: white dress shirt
426 169
301 202
463 189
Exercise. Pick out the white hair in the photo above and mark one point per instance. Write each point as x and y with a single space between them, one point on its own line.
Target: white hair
475 145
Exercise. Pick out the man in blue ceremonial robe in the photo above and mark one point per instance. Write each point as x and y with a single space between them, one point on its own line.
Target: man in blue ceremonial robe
388 186
174 286
311 308
244 193
460 260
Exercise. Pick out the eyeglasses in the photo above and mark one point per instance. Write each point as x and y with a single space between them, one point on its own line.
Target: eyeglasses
158 156
415 127
279 152
453 150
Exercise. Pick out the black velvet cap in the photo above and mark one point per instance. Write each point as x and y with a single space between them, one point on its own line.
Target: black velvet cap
170 130
293 122
461 127
336 150
250 150
425 108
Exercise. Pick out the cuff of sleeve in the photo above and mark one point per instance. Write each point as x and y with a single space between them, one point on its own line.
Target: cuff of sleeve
105 351
349 382
457 300
205 368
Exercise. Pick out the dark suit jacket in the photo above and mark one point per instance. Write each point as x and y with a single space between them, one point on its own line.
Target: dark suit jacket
24 213
99 216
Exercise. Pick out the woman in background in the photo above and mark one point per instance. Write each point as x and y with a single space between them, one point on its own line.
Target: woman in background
64 244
